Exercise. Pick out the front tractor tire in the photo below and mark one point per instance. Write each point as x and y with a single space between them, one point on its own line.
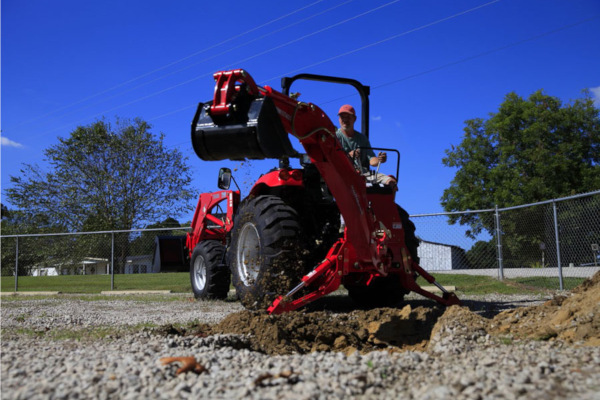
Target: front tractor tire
209 276
264 255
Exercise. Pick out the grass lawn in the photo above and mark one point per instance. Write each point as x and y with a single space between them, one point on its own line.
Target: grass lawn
473 284
176 282
470 284
180 283
552 283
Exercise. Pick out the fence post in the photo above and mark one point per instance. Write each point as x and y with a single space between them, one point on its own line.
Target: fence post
499 240
556 237
17 266
112 261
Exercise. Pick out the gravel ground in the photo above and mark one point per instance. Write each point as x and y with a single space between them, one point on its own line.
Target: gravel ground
51 349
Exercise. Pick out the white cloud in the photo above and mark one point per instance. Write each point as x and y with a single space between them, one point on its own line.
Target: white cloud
9 143
596 95
376 118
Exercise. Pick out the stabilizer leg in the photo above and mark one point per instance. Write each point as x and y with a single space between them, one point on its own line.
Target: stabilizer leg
326 276
409 282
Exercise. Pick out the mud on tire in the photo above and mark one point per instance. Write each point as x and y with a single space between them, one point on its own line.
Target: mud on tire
209 276
264 255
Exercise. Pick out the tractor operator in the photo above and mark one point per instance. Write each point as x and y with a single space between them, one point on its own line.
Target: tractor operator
352 141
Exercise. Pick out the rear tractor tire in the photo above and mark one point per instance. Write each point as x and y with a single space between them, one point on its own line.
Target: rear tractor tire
265 252
209 276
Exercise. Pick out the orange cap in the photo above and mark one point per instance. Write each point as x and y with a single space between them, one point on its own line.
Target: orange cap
347 108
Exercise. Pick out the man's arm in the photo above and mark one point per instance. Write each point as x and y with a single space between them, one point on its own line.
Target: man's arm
381 158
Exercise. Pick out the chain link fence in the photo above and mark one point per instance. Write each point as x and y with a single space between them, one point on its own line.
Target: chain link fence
142 251
558 240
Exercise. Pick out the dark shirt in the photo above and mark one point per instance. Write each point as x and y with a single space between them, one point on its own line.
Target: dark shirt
357 141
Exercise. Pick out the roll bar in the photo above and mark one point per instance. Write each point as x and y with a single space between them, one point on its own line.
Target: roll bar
363 91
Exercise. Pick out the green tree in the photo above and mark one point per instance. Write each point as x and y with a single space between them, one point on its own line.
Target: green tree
105 177
102 177
531 150
5 213
482 255
33 251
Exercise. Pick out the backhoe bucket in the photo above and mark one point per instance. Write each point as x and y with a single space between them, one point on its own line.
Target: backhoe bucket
252 130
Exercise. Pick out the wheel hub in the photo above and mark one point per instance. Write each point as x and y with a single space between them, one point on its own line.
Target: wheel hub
199 273
248 254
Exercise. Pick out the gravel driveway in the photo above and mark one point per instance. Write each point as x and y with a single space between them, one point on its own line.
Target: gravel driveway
72 347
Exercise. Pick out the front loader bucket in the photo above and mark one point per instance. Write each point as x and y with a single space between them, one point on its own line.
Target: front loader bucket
253 132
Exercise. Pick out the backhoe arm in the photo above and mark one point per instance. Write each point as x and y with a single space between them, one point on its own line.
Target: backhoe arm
315 131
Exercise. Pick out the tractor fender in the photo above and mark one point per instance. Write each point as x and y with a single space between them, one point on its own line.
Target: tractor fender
278 179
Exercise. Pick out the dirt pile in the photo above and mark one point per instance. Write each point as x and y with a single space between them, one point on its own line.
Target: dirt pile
305 332
572 318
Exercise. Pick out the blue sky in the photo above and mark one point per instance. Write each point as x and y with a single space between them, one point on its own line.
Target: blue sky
431 65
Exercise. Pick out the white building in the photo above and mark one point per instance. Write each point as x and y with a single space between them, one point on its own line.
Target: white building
87 266
441 257
94 266
139 265
44 271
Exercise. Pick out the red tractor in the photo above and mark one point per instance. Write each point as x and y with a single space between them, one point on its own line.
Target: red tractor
283 245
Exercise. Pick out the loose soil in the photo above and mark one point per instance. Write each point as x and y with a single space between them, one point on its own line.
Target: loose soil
572 318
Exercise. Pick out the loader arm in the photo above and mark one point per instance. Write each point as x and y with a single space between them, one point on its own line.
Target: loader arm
206 226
